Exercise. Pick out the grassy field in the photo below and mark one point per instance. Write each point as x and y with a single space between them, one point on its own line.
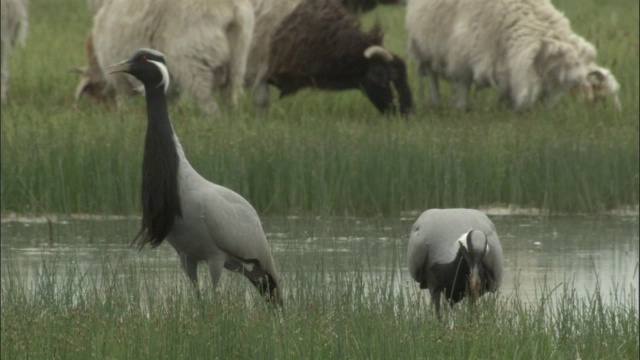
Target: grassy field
129 312
317 153
321 152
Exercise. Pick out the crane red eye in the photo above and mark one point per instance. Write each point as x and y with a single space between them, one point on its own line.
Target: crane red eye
143 58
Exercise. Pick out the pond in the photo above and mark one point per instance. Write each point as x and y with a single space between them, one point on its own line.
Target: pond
553 251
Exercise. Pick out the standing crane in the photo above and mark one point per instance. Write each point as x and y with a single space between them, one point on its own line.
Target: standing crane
203 221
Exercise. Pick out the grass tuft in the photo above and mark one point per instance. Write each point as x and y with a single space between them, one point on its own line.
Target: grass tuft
63 311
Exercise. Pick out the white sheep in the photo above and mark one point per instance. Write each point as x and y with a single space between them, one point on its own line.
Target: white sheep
524 48
206 42
267 17
14 26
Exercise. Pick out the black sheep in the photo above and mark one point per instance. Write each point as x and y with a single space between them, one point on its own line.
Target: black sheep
319 44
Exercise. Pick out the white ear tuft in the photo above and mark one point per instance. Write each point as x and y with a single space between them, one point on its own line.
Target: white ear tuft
463 240
165 73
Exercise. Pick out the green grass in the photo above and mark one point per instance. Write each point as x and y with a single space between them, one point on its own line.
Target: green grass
322 153
62 311
329 153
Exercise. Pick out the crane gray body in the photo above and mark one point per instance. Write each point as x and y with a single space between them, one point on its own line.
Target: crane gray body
218 227
441 255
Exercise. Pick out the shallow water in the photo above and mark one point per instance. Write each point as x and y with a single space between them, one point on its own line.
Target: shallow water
575 251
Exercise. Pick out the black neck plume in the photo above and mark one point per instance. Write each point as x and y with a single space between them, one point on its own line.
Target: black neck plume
160 198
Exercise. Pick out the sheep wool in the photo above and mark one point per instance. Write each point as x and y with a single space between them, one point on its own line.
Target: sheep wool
525 49
206 41
15 24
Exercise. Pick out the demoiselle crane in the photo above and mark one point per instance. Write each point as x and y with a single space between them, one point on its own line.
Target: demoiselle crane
202 221
455 252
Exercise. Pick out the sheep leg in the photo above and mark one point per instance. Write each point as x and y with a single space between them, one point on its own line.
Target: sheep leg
202 88
5 81
261 96
239 35
234 86
230 93
434 91
461 94
421 75
5 72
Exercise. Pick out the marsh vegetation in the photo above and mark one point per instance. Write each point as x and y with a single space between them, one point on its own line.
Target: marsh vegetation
317 154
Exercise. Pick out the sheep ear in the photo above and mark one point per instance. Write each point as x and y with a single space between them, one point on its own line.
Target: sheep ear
595 76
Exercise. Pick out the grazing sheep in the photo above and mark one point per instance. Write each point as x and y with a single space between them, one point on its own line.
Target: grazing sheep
600 84
15 24
268 16
207 40
320 45
524 48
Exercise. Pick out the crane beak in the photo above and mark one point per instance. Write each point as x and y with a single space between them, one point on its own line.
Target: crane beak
122 66
473 283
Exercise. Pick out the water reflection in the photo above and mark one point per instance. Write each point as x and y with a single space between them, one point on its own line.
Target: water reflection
578 251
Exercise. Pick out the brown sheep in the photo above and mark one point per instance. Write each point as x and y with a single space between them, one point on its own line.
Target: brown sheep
319 44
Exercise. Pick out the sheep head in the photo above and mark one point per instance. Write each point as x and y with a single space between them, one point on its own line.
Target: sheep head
571 64
598 85
384 70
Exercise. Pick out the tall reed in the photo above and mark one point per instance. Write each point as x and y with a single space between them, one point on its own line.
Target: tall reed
322 152
62 311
